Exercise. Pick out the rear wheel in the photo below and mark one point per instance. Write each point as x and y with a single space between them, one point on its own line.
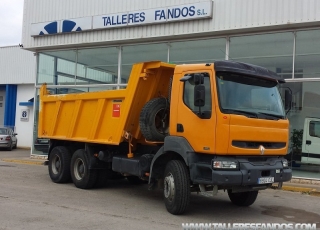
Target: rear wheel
81 175
176 187
59 164
243 198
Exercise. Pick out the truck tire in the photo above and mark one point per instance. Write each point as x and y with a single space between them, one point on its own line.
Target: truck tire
154 119
243 198
176 187
59 164
81 175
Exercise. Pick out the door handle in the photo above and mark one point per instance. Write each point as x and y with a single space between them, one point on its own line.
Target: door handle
180 128
308 142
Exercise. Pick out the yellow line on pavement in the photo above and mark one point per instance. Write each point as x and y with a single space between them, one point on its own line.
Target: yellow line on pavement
30 162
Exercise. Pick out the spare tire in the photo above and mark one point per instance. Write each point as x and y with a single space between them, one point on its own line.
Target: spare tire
154 119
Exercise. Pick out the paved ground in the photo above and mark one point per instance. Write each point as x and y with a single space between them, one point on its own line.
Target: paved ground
29 200
22 156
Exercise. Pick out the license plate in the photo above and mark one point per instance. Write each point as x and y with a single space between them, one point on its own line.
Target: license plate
265 180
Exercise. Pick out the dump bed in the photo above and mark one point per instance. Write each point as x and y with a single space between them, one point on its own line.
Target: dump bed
103 117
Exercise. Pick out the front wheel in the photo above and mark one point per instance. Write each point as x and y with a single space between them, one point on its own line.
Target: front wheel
81 175
176 187
243 198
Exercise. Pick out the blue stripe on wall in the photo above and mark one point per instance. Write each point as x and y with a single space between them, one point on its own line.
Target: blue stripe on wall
10 105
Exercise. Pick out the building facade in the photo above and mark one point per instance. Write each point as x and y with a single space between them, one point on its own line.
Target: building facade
17 92
91 45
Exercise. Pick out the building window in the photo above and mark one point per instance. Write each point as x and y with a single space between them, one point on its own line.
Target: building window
97 66
272 51
79 67
198 51
141 53
304 121
307 54
45 72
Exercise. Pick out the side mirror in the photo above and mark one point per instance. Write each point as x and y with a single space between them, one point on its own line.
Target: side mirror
199 95
198 78
287 99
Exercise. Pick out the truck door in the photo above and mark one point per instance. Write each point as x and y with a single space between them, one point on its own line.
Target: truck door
311 141
196 124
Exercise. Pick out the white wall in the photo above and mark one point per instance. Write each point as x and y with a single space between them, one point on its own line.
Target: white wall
24 128
17 66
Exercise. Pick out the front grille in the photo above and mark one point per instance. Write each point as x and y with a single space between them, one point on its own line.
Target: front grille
256 144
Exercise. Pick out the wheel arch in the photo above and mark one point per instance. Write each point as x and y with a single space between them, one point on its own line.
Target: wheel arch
174 148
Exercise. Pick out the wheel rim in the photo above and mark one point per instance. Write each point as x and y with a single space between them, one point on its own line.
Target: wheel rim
79 169
169 188
161 121
56 164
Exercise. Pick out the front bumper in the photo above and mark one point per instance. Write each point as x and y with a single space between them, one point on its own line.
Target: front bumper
248 173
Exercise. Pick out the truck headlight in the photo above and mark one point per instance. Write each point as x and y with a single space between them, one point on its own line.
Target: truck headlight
285 163
224 165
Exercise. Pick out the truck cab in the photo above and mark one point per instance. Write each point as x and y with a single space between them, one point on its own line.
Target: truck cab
240 111
311 141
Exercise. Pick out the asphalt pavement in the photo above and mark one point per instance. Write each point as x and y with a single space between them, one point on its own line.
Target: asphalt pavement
23 156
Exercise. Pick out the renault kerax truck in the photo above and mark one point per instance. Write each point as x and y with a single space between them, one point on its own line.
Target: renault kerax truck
181 128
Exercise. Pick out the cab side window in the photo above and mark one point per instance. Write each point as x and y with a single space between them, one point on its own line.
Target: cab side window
188 95
314 129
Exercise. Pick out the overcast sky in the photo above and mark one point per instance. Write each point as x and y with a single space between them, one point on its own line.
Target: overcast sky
11 14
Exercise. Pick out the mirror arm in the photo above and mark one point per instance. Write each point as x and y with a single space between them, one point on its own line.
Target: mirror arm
199 115
290 107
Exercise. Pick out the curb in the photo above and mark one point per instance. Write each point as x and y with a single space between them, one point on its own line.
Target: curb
315 193
305 181
304 190
297 189
29 162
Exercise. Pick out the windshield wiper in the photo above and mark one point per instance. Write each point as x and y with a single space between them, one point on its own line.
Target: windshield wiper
272 115
241 112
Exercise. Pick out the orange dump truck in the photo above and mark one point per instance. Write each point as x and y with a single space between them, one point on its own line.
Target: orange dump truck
183 128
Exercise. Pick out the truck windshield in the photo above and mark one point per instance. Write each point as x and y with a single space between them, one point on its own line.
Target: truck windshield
249 96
